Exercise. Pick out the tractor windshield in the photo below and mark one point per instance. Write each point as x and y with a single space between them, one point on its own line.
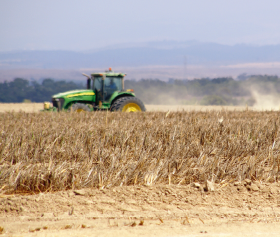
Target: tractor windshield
110 83
113 83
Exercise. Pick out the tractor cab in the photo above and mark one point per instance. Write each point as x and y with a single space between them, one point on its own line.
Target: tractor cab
105 84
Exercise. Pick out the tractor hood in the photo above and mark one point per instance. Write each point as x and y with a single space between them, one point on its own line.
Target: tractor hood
74 93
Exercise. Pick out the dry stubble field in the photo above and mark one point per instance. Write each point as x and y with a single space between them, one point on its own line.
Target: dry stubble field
36 107
105 174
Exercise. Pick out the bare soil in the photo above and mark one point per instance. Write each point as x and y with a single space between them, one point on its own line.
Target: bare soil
18 107
235 209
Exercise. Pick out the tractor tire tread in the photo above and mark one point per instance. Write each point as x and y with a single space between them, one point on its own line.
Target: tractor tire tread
119 103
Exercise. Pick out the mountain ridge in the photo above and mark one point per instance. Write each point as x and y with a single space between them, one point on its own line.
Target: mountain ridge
142 54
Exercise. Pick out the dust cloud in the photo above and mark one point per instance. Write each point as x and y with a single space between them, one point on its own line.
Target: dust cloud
269 101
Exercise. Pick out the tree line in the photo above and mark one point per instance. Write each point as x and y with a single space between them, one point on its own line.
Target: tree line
20 90
204 91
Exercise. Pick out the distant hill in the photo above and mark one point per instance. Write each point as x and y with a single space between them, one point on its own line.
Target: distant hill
151 53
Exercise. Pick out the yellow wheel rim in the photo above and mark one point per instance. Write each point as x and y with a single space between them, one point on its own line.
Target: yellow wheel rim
80 110
131 107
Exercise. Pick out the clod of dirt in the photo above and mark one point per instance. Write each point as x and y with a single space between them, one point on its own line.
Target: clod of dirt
141 222
45 227
1 230
260 186
133 224
67 227
209 186
241 188
253 187
247 182
22 209
83 226
80 192
198 186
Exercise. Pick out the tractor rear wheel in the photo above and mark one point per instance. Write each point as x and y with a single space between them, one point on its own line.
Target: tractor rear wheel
79 107
128 104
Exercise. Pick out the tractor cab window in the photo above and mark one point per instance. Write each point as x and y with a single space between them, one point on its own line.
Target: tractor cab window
97 83
112 84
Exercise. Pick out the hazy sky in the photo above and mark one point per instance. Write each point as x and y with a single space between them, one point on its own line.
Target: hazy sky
90 24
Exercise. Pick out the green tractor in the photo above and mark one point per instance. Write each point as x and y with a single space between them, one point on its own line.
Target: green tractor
105 91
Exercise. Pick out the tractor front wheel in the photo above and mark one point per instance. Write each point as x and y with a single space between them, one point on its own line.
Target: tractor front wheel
79 107
128 104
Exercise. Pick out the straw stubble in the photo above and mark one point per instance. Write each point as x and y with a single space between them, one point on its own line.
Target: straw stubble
57 151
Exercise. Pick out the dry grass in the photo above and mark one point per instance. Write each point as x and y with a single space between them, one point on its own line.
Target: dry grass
36 107
17 107
56 151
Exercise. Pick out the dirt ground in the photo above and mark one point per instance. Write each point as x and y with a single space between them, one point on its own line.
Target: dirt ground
237 209
17 107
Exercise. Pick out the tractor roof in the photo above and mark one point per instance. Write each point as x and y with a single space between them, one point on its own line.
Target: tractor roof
109 73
